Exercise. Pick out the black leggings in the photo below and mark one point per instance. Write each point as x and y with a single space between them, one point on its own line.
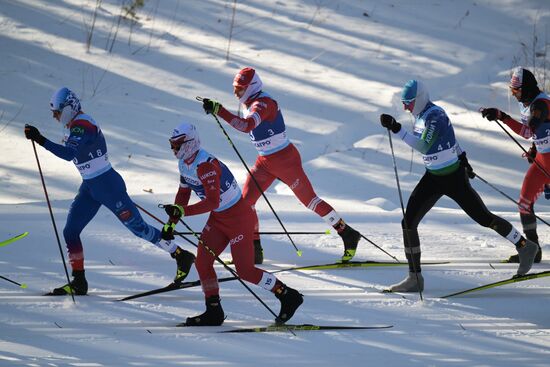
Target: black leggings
424 196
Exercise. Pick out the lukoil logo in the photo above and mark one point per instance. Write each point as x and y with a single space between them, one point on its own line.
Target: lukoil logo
208 174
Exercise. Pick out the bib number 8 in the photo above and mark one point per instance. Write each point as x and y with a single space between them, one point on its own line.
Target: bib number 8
99 153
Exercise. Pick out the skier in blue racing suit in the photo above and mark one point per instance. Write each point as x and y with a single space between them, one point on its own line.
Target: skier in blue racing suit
85 145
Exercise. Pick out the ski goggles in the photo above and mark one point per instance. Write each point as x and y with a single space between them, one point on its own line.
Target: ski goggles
177 141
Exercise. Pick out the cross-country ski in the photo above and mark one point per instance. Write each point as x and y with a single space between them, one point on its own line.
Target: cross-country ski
500 283
337 265
303 327
13 239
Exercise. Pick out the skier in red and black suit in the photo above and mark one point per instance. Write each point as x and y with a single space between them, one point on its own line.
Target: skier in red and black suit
534 106
447 174
277 158
230 223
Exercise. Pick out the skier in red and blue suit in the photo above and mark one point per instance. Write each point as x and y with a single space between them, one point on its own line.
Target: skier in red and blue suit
85 145
230 222
277 158
534 107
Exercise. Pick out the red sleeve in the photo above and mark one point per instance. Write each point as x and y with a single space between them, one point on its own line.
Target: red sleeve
260 110
209 173
519 128
183 195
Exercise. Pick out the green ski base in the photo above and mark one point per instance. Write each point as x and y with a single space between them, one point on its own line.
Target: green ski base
500 283
13 239
353 264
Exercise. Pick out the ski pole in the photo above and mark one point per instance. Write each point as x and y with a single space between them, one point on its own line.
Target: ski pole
299 252
22 285
380 248
403 210
274 233
53 219
511 199
181 234
312 233
523 149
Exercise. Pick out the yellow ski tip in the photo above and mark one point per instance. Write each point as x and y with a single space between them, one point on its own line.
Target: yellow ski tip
299 252
23 285
327 231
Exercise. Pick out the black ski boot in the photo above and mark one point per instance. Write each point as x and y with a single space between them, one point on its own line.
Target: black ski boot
78 286
290 299
213 316
258 252
351 238
184 260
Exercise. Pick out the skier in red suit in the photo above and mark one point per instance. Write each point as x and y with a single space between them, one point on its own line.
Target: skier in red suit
277 158
230 222
534 107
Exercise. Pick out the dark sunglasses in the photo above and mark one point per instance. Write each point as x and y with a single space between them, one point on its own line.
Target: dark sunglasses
176 143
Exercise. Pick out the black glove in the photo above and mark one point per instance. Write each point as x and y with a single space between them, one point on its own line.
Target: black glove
32 133
493 114
389 123
210 106
466 165
531 154
174 211
547 192
167 232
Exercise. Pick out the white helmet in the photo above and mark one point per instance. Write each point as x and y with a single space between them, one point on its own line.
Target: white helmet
185 140
65 102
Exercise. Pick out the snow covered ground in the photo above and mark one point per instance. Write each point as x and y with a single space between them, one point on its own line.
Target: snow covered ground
334 66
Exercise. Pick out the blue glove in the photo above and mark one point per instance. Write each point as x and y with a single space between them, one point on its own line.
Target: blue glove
547 192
